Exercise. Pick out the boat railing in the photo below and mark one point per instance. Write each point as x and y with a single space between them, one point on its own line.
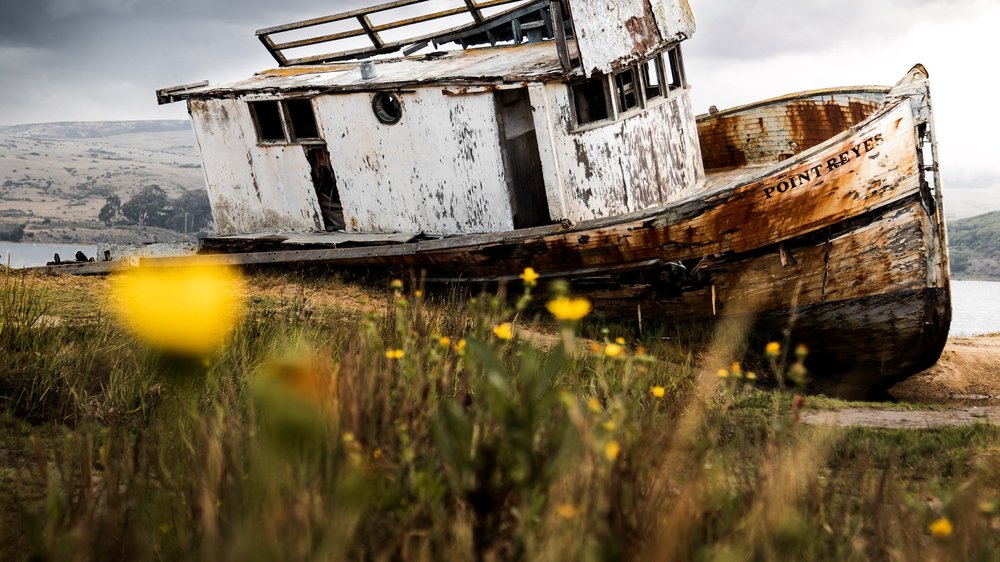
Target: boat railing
477 16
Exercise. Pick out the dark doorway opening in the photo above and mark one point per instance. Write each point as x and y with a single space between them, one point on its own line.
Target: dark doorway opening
325 183
519 145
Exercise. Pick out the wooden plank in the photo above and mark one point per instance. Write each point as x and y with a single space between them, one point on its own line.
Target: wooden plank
366 25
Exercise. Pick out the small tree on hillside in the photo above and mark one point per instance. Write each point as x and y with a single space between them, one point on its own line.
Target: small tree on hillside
111 209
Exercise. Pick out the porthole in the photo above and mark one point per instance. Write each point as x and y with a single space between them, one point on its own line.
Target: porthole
387 108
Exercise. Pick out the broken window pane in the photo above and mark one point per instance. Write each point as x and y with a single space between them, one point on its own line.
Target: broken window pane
267 119
590 99
303 119
652 77
675 69
628 90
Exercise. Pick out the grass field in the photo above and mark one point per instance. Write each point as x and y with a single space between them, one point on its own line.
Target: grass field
208 415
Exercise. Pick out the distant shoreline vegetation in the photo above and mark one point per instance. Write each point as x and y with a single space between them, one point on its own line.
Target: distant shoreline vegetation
12 232
974 247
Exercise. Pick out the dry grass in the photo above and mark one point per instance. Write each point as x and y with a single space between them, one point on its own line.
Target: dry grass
302 439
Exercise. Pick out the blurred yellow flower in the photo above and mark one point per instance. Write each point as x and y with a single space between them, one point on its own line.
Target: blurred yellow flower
567 511
723 374
394 353
594 404
620 341
942 528
504 331
418 294
396 285
460 346
530 277
609 425
751 376
613 350
612 450
801 351
565 308
596 347
736 369
189 310
658 392
445 341
773 348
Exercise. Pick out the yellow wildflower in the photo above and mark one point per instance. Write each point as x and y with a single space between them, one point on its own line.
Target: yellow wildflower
942 528
567 511
445 341
530 277
189 310
751 376
620 341
613 350
609 425
594 404
394 354
504 331
460 346
640 350
612 450
565 308
418 294
596 347
773 349
377 454
396 285
723 374
736 369
658 392
801 351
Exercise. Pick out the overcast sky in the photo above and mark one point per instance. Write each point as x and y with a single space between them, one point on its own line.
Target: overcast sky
103 59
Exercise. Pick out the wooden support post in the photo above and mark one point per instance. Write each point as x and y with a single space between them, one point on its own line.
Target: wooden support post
556 15
366 24
474 10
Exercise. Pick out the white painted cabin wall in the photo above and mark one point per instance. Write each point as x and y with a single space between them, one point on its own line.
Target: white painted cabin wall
613 33
439 169
251 188
633 163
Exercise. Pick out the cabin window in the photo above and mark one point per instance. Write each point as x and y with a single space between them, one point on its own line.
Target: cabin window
302 119
387 108
591 100
651 72
627 85
285 121
267 119
675 69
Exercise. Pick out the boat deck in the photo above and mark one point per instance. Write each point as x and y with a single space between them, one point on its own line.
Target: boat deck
274 241
722 177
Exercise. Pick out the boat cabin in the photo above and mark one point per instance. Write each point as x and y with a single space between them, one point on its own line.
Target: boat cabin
550 110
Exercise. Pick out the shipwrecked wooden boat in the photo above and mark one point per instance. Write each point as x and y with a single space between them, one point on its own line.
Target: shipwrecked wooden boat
561 137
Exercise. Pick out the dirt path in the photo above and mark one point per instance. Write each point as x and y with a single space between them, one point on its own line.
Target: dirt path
896 419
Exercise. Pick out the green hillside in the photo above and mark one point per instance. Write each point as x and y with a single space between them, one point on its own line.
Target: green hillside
974 246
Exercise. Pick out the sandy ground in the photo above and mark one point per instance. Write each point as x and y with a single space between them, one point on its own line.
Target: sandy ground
969 369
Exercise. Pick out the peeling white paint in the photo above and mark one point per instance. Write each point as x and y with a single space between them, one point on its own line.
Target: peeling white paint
613 33
638 161
439 169
251 187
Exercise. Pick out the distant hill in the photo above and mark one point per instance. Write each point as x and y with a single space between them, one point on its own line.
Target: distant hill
93 129
974 246
56 177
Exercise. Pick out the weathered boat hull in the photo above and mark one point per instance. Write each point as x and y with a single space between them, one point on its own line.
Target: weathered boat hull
824 222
